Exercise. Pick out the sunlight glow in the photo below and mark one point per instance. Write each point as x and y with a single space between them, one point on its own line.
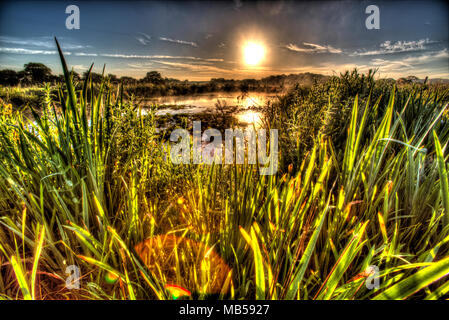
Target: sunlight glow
253 53
250 117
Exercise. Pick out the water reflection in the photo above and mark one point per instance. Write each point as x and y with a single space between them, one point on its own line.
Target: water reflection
246 113
250 117
252 99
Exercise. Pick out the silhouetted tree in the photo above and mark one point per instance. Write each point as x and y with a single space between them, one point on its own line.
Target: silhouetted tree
96 77
38 72
113 78
127 80
153 77
9 77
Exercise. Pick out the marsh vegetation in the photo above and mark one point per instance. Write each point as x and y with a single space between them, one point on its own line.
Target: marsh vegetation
362 182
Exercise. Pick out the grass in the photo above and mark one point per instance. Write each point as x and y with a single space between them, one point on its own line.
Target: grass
88 184
19 97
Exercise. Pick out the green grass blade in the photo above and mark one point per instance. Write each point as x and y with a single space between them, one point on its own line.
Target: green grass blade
443 177
37 255
417 281
21 279
304 262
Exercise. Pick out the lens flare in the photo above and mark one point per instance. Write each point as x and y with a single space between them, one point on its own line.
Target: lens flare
177 291
186 262
111 278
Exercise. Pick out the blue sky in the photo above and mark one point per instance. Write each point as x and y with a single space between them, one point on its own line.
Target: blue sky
202 40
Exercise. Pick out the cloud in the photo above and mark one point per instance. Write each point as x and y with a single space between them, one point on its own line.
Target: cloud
389 47
143 38
195 67
136 56
79 67
44 42
26 42
28 51
44 52
421 65
313 48
83 54
430 57
108 55
193 44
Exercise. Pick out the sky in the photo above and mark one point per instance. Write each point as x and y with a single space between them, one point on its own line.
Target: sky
206 39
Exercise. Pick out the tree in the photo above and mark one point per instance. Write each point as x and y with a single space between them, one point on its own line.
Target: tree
9 77
127 80
113 78
153 77
96 77
38 72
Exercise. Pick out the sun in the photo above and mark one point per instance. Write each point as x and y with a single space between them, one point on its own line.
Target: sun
253 53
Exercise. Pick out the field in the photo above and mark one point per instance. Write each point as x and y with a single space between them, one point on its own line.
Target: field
359 208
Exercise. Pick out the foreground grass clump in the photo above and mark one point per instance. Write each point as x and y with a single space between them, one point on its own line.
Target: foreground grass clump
88 184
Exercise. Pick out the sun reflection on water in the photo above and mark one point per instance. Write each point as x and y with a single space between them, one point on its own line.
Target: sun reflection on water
250 117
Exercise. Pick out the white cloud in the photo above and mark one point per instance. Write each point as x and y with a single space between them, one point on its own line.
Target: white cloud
83 54
422 65
143 38
108 55
313 48
195 67
44 52
27 42
190 43
79 67
389 47
136 56
28 51
43 42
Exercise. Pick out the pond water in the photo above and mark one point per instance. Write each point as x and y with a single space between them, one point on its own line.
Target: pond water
246 105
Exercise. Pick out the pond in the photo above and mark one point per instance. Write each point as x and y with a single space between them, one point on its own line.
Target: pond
244 107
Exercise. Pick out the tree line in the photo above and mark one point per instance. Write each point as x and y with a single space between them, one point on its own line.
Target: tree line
154 83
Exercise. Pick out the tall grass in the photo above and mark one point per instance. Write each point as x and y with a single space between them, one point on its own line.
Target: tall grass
86 182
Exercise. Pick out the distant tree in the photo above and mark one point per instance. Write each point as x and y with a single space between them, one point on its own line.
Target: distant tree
24 78
60 78
407 80
9 77
96 77
153 77
229 86
55 79
38 72
248 84
127 80
113 78
412 78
